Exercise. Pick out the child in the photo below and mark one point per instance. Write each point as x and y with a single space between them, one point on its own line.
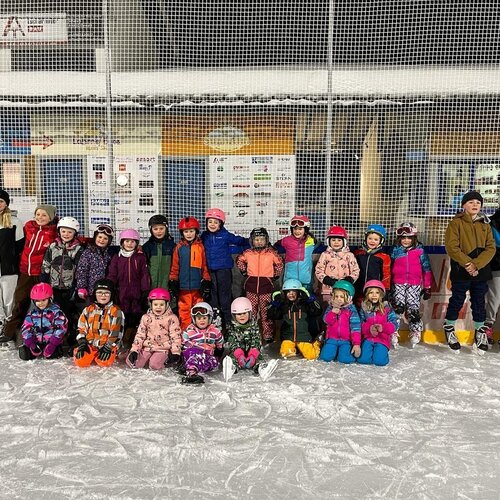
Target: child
129 272
217 241
412 277
44 326
343 326
100 328
40 233
158 251
298 248
58 269
158 335
202 344
470 245
335 263
295 305
11 246
94 262
189 277
261 265
243 339
493 295
373 263
378 323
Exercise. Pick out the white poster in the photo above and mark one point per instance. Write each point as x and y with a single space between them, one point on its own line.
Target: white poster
23 207
254 191
33 28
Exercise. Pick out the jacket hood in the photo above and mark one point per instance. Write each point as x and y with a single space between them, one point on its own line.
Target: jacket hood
481 216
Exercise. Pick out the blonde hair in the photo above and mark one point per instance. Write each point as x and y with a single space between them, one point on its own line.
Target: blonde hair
6 218
343 292
370 306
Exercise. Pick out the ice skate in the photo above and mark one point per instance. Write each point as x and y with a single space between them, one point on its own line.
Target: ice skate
6 342
414 340
193 379
451 338
228 368
489 333
267 369
480 345
395 340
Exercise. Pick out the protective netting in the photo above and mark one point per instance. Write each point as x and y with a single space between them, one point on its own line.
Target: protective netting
349 112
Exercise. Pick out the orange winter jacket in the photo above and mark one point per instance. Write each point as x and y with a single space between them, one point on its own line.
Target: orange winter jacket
101 324
261 267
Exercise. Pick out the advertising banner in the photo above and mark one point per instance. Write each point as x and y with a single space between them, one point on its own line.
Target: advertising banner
33 28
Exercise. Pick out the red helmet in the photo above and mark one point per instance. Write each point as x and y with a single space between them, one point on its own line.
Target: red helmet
337 232
41 291
159 294
189 223
216 213
374 284
300 221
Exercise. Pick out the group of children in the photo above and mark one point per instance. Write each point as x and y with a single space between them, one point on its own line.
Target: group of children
171 304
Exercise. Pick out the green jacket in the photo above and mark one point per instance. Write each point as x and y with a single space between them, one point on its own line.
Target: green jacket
159 256
243 337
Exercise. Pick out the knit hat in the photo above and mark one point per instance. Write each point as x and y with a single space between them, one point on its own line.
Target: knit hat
472 195
5 196
50 209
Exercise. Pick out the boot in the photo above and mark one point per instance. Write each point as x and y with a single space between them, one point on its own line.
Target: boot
451 337
193 379
481 340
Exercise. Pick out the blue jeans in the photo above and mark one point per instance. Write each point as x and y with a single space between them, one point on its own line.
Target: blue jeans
339 350
477 291
373 353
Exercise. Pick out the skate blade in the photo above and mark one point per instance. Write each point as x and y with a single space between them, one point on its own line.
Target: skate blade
227 368
478 351
266 370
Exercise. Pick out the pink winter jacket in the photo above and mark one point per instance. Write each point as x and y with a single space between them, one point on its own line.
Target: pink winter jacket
158 333
388 320
345 325
336 265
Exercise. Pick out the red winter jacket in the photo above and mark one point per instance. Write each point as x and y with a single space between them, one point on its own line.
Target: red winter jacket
38 239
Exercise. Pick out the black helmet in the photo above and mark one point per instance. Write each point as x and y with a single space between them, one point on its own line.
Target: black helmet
158 220
104 284
259 231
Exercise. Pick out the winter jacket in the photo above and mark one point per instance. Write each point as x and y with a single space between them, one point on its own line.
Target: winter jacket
373 265
244 337
92 266
469 241
11 246
38 239
101 324
388 320
336 265
44 326
495 228
344 325
158 333
295 325
411 266
217 248
189 265
298 257
207 339
60 262
159 256
131 277
261 267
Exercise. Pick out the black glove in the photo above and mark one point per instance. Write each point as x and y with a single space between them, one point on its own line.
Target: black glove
105 352
132 357
83 348
219 351
205 289
426 293
329 281
398 308
174 287
349 279
173 359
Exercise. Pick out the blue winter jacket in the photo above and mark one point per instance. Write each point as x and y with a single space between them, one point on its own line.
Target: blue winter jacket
217 248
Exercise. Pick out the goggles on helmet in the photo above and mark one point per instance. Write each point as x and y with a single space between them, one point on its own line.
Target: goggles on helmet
200 311
104 228
405 231
297 223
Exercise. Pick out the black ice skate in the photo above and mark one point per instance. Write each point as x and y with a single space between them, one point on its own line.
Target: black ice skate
451 338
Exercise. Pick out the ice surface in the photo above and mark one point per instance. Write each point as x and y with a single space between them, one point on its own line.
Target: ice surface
426 426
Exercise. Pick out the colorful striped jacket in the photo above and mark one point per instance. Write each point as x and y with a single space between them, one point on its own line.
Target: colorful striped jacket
101 324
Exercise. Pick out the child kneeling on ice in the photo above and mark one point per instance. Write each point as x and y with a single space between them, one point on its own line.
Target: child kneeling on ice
378 323
343 326
294 305
100 328
158 339
44 327
202 344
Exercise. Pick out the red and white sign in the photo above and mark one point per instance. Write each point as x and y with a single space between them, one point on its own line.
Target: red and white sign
33 28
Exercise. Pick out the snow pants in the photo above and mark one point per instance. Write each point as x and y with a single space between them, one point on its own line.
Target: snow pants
197 360
222 283
337 350
259 302
477 291
154 359
407 298
493 298
373 353
186 300
310 350
91 357
7 289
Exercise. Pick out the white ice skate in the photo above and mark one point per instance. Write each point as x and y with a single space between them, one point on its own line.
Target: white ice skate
228 368
267 369
395 340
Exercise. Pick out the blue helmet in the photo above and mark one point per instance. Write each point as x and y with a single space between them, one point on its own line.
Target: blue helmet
292 284
377 229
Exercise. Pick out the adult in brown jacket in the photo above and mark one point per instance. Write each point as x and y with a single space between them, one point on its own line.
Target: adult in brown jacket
470 245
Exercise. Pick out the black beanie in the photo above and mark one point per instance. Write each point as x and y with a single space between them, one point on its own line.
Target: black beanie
472 195
5 196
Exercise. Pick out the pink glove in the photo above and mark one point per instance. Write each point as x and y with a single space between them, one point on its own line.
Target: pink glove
49 349
240 357
82 293
253 354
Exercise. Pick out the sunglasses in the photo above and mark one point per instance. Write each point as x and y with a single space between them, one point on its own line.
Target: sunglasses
405 231
104 228
297 223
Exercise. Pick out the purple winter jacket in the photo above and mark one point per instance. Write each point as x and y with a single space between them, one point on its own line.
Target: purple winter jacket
91 267
131 277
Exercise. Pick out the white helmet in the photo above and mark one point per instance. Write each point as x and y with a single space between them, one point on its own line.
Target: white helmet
202 309
68 222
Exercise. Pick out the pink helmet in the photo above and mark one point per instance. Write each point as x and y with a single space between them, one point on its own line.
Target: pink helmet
374 284
216 213
337 232
241 305
41 291
300 221
130 234
159 294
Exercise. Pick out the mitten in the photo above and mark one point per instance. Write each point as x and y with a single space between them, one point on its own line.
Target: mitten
218 352
426 293
349 279
49 349
83 348
105 352
36 349
132 358
329 281
173 359
240 357
253 354
82 293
